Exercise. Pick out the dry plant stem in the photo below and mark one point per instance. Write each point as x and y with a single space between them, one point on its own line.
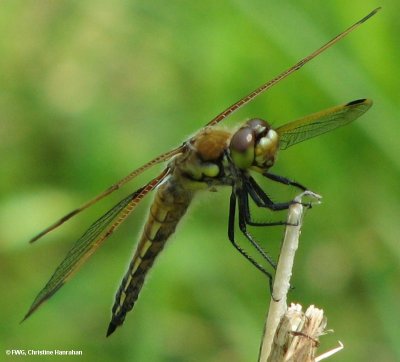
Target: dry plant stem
278 305
330 353
296 339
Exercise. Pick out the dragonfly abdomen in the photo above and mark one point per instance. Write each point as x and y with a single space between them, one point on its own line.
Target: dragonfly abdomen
168 207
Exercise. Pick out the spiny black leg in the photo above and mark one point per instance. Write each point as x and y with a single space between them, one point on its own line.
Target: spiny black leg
261 198
231 221
247 213
242 226
284 180
253 188
259 201
231 235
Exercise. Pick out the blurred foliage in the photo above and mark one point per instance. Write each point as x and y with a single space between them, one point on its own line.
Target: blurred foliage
90 90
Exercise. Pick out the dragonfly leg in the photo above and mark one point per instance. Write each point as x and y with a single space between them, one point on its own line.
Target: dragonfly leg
284 180
243 226
262 199
260 203
231 235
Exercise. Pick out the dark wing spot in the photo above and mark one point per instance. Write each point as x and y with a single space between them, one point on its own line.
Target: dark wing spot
352 103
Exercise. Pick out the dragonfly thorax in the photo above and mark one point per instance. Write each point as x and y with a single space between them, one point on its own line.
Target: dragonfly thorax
254 144
202 165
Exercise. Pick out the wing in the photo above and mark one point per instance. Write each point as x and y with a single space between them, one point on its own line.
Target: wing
321 122
85 246
220 117
255 93
164 157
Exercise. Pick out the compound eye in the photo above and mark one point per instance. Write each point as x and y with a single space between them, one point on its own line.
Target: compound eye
242 147
258 125
242 140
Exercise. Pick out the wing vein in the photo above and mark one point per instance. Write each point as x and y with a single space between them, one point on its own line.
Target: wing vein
87 244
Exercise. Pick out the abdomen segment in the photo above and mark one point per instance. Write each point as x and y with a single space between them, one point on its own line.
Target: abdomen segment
169 205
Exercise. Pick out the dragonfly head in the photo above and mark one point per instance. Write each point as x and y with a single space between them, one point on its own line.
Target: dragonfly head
254 144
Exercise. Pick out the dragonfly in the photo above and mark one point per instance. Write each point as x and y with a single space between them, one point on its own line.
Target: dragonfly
213 157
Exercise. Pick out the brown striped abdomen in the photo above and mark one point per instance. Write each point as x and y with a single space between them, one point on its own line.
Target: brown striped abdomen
169 205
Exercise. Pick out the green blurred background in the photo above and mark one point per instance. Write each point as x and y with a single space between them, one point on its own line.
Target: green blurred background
90 90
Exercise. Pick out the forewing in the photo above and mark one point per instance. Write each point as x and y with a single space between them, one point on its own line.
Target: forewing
161 158
87 244
264 87
321 122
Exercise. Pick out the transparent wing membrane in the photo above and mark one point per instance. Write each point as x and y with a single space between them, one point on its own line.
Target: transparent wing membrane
321 122
164 157
289 134
87 244
255 93
220 117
